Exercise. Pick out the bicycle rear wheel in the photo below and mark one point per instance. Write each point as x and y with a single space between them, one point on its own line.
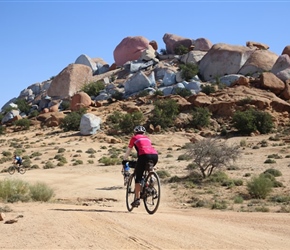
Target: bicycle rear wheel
11 170
22 170
130 192
152 193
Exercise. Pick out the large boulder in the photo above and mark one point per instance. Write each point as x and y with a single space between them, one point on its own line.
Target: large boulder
173 41
89 124
129 49
80 100
86 60
281 68
70 80
259 61
202 44
223 59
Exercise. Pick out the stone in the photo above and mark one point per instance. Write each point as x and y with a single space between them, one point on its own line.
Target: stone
129 49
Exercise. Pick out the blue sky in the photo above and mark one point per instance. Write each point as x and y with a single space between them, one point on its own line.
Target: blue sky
40 38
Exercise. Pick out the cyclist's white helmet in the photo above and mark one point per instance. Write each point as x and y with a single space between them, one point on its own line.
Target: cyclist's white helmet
139 129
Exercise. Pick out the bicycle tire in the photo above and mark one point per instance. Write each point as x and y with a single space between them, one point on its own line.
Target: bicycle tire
22 170
130 192
11 170
152 195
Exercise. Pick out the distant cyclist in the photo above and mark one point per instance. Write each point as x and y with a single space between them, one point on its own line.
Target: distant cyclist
17 160
145 152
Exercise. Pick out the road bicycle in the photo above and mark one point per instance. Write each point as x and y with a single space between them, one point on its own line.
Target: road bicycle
150 187
20 169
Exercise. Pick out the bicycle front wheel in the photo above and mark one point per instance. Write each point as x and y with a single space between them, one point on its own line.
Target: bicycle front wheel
130 192
11 170
152 193
22 170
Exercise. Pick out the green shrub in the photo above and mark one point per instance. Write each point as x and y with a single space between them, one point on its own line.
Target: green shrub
91 151
2 130
188 71
270 161
125 122
6 153
208 89
48 165
13 190
33 113
219 177
182 92
23 106
200 117
93 88
41 192
129 121
72 121
65 105
252 120
109 161
274 172
259 187
163 173
181 50
164 113
23 123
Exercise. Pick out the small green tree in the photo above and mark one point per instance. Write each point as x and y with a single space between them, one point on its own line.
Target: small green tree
23 106
200 117
188 71
251 120
259 187
125 122
72 120
210 154
93 88
181 50
23 123
164 113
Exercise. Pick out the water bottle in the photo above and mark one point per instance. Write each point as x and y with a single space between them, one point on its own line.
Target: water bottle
127 167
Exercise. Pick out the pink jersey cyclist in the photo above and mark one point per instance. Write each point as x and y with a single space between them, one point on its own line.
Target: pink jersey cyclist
142 144
145 153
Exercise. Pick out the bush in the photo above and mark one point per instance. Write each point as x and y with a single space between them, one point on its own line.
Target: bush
125 122
93 88
181 50
109 161
23 123
207 89
72 121
259 187
182 92
23 106
200 117
252 120
274 172
13 190
41 192
188 71
164 113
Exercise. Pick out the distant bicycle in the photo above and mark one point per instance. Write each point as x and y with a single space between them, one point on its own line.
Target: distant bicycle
150 188
20 169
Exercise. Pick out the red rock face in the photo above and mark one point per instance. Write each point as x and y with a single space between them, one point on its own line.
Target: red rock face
130 49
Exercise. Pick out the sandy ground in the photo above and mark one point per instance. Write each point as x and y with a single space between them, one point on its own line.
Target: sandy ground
89 210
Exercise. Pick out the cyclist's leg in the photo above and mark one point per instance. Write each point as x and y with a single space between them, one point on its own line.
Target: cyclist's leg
139 170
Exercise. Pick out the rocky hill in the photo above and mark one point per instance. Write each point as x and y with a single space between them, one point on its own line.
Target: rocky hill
238 77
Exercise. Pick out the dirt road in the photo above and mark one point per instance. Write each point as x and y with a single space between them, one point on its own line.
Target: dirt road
91 214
